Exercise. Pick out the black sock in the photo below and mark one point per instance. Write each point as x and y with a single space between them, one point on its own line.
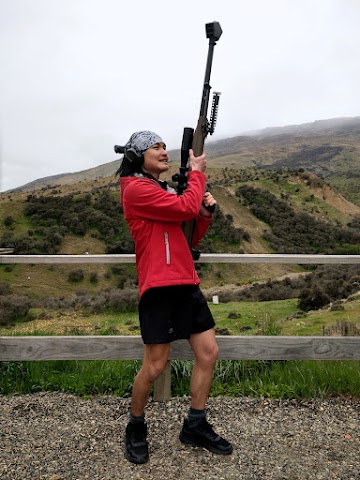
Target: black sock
136 419
195 416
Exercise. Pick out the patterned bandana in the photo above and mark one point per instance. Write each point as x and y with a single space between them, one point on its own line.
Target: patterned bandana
140 141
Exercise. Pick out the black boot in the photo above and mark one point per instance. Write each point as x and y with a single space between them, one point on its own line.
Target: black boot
202 434
136 447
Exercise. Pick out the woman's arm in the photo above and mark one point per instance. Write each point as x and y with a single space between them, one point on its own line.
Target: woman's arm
143 198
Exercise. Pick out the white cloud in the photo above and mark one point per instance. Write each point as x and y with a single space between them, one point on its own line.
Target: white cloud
81 75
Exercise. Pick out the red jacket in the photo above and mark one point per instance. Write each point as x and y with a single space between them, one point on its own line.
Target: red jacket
154 216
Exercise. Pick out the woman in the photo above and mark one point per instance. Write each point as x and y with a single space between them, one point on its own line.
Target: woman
171 304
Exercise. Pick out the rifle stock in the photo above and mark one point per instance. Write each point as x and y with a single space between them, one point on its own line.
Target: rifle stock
200 136
196 140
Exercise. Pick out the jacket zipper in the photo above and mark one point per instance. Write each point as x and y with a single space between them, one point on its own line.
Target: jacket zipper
167 248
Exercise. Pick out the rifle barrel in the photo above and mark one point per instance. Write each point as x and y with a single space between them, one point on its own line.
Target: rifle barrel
207 87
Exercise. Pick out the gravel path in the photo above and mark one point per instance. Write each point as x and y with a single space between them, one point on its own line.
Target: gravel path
57 436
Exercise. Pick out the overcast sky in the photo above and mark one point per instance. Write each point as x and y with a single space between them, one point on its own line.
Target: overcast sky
78 76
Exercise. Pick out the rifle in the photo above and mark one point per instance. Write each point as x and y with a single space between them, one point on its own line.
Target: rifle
196 140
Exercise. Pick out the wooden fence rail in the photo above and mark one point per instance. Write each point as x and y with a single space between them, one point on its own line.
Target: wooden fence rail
130 347
17 348
95 347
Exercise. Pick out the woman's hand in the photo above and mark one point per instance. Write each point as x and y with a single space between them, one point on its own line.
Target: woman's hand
208 201
197 163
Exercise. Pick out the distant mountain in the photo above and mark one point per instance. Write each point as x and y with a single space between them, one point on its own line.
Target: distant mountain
334 126
105 170
329 148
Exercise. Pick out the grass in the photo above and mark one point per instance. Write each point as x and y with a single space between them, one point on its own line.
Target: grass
252 316
36 280
267 379
249 318
276 379
289 379
314 322
348 185
70 323
77 377
14 209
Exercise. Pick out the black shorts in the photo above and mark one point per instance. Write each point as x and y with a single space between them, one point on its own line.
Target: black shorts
170 313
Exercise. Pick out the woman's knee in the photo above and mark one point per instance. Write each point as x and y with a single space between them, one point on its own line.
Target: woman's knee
156 368
154 362
208 355
205 347
213 353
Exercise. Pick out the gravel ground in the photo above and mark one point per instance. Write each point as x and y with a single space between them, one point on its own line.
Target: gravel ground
57 436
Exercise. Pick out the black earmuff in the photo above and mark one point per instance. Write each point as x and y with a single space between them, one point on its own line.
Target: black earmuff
130 154
134 158
119 149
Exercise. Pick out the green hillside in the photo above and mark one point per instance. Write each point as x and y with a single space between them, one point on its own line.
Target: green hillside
86 217
290 189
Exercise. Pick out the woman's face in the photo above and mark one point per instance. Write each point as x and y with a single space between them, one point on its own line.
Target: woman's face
156 160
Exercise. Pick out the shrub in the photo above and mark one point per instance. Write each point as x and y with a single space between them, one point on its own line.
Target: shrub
222 228
8 221
12 307
293 232
76 276
121 281
4 288
94 278
98 303
78 214
124 300
313 299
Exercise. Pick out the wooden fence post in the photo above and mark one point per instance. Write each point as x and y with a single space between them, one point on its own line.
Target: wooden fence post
162 385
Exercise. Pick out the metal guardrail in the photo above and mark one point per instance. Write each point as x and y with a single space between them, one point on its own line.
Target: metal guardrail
271 258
